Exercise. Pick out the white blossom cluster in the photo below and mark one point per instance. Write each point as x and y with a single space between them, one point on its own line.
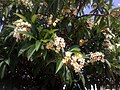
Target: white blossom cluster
90 23
108 36
27 3
21 26
76 60
51 22
97 56
57 44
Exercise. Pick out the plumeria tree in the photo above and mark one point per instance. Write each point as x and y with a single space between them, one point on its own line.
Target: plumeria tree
54 44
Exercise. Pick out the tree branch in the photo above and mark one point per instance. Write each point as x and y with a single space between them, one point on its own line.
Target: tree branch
92 15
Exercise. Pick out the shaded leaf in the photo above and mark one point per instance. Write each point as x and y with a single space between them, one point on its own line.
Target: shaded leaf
37 45
59 66
21 16
44 54
31 51
108 63
7 61
33 19
75 48
24 48
2 70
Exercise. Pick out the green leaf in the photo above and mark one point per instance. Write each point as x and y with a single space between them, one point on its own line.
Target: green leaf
6 11
60 4
10 26
50 31
11 49
7 61
24 48
59 66
81 76
9 36
37 45
2 69
108 63
21 16
46 40
116 66
1 63
87 33
34 17
44 54
31 51
75 48
68 76
84 56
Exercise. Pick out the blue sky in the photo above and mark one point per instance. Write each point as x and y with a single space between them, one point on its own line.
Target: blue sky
115 4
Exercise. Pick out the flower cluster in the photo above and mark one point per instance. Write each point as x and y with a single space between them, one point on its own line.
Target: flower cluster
21 26
51 22
27 3
108 33
108 45
83 42
57 44
108 36
76 60
90 23
97 56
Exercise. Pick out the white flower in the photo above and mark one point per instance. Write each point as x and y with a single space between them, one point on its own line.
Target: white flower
24 29
56 43
50 45
57 20
64 60
18 21
49 22
111 47
118 45
58 38
78 55
20 26
27 3
50 19
58 48
62 44
68 53
22 23
76 66
81 60
108 36
77 69
97 56
62 40
74 58
51 16
27 24
54 24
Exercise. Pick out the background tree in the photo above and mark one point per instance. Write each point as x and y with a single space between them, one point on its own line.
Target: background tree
54 44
